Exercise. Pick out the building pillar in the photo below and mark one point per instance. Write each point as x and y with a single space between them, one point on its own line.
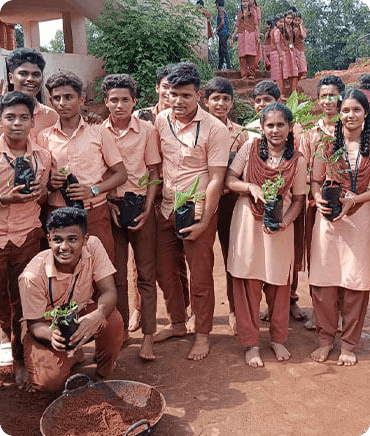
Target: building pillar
31 34
74 29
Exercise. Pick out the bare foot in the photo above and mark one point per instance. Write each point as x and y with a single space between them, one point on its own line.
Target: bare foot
280 351
146 352
190 324
170 331
264 316
253 358
134 322
232 323
310 324
296 312
30 387
347 358
20 373
321 353
200 348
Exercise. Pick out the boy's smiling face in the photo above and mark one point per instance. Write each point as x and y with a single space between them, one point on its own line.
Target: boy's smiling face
16 122
262 100
27 78
66 245
219 105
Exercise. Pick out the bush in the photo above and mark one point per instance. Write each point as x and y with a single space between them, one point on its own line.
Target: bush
137 39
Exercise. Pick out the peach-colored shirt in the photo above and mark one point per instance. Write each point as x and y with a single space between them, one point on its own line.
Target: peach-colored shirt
311 139
139 149
43 116
234 129
184 161
18 219
94 265
87 154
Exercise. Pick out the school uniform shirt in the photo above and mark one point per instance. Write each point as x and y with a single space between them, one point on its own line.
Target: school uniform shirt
236 140
87 154
186 154
94 265
18 219
139 149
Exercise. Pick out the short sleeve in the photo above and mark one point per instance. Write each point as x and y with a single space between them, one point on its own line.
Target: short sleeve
109 148
152 156
102 266
241 159
218 154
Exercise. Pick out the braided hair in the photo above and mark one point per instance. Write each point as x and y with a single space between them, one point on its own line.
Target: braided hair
288 116
365 134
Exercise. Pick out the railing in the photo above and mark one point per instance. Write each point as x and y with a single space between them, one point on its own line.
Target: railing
361 38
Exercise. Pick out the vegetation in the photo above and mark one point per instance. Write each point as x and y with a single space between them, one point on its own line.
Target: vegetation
270 188
143 181
59 312
182 197
333 167
56 45
138 38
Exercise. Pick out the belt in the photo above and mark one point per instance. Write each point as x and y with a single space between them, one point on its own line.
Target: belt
90 204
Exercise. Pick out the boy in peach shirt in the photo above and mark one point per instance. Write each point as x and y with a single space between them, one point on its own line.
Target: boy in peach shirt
87 152
219 100
136 141
20 227
191 143
67 272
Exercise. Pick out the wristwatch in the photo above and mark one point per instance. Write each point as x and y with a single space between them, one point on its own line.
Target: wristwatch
95 191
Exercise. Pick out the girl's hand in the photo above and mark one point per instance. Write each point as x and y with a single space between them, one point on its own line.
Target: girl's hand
321 205
347 203
256 193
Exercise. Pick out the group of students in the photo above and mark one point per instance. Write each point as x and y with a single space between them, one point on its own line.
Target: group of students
88 254
283 49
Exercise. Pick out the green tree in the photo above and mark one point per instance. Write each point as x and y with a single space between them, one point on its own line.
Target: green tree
140 38
56 45
19 35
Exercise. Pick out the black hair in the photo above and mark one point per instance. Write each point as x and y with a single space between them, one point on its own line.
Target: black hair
113 81
365 134
270 22
219 84
184 73
220 2
64 79
242 9
200 2
291 25
331 80
364 81
293 9
65 217
266 87
297 15
22 55
162 73
288 116
14 98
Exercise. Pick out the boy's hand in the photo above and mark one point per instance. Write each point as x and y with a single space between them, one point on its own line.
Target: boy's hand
89 325
37 190
57 180
77 191
141 220
115 213
195 231
14 196
58 342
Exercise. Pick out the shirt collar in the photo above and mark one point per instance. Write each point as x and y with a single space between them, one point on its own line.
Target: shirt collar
58 126
199 116
134 125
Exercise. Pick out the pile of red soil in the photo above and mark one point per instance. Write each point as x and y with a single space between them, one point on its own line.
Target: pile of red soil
91 414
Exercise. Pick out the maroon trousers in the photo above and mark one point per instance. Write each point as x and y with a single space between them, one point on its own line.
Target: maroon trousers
200 258
13 260
326 302
247 298
143 245
48 369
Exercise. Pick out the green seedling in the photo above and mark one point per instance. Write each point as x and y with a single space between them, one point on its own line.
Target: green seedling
60 311
63 171
270 188
182 197
143 181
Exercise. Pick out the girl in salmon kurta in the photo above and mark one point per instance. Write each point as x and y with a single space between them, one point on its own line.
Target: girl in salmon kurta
247 27
267 44
290 67
276 55
300 35
258 257
259 17
340 254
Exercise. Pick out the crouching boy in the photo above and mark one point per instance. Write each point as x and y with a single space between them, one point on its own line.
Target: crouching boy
66 272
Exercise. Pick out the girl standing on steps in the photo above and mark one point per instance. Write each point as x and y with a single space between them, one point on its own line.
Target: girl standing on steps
247 27
340 255
267 260
290 68
276 55
269 24
300 35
